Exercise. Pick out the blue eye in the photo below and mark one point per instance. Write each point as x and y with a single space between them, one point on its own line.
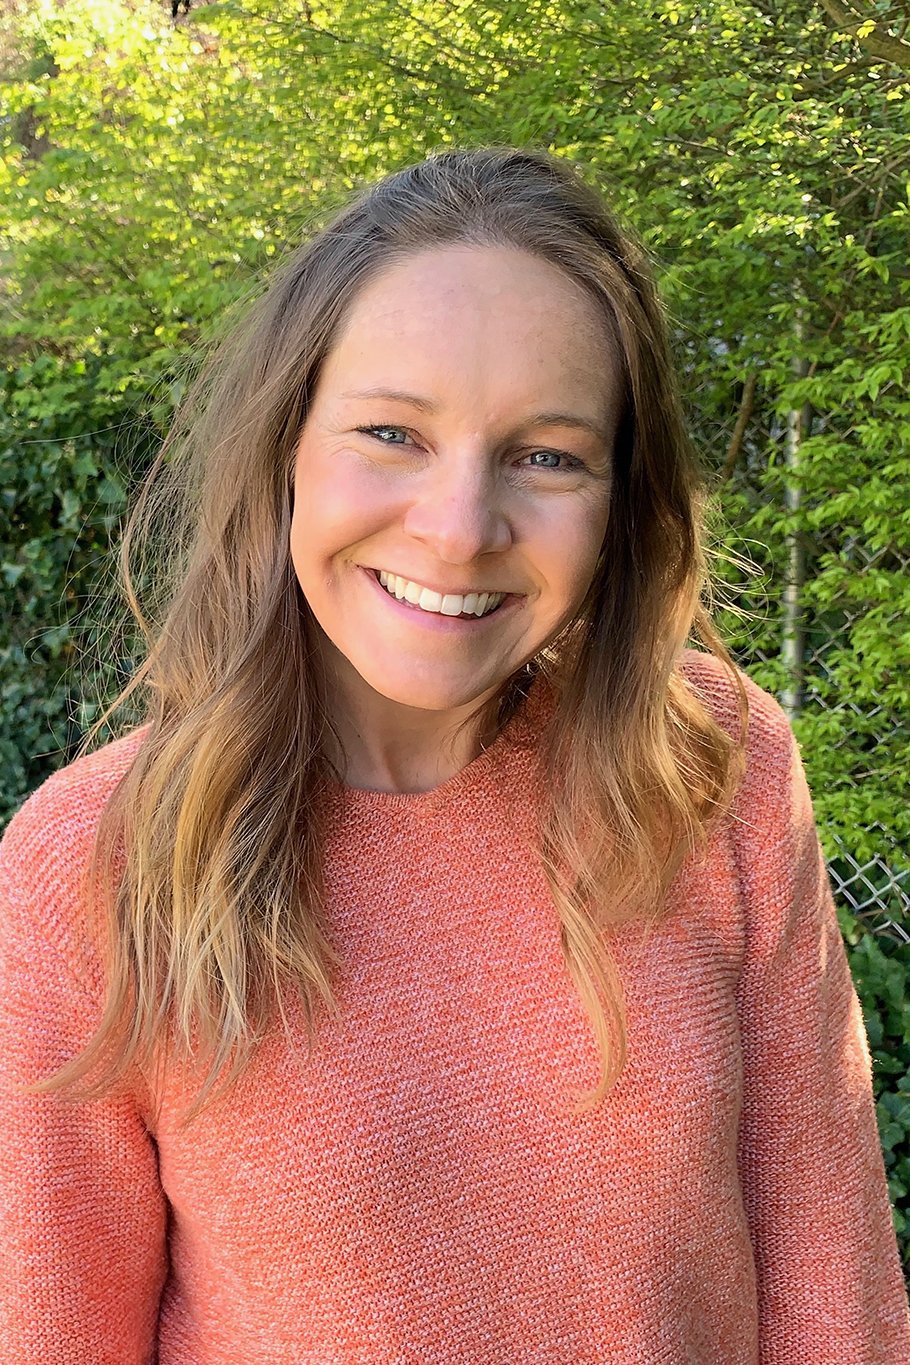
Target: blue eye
570 461
372 431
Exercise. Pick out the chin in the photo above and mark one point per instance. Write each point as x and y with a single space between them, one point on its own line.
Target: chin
429 694
440 697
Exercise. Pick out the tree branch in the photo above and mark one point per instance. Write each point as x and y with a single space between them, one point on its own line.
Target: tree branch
742 421
878 42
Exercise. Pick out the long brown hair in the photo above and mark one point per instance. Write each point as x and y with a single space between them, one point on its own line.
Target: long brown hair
205 873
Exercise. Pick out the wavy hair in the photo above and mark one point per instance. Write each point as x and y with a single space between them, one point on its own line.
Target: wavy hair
205 878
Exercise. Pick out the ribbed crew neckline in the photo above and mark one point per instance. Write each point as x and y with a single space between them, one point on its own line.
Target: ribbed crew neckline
518 732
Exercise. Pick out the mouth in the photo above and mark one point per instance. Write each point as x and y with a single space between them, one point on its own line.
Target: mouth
465 606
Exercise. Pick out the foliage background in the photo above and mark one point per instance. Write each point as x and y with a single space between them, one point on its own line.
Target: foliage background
152 172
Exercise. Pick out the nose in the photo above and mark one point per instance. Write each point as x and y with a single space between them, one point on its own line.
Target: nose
459 512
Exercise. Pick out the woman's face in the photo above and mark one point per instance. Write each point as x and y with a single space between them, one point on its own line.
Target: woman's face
492 387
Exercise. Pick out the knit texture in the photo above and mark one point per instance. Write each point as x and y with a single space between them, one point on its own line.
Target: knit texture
418 1190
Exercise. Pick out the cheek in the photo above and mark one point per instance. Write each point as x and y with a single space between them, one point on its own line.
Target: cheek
568 548
337 504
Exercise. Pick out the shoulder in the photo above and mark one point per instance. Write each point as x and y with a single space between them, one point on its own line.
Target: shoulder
61 814
45 847
773 781
770 828
768 733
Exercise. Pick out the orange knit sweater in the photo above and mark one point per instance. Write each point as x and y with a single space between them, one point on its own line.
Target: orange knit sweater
417 1190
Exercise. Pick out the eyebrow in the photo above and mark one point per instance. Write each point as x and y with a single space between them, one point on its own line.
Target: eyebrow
538 419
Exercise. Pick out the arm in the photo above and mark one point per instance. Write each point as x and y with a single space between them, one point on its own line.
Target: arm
82 1213
830 1286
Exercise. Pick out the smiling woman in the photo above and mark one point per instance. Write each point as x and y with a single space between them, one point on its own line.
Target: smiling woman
435 812
489 336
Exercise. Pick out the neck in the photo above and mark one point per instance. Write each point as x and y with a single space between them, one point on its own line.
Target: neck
382 745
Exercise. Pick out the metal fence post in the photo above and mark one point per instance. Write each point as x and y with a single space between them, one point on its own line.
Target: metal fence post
792 634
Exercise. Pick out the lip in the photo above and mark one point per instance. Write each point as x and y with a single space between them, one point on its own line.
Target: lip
432 620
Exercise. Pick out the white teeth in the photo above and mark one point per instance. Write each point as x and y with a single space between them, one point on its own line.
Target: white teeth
429 600
448 604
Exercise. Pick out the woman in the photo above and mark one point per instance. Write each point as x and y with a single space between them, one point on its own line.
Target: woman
433 821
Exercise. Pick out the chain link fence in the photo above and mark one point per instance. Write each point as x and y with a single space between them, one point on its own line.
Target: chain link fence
805 638
876 887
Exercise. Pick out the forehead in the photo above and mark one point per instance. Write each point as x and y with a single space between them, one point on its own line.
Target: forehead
480 319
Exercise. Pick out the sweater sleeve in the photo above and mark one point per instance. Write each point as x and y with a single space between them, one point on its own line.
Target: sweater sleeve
830 1285
82 1213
